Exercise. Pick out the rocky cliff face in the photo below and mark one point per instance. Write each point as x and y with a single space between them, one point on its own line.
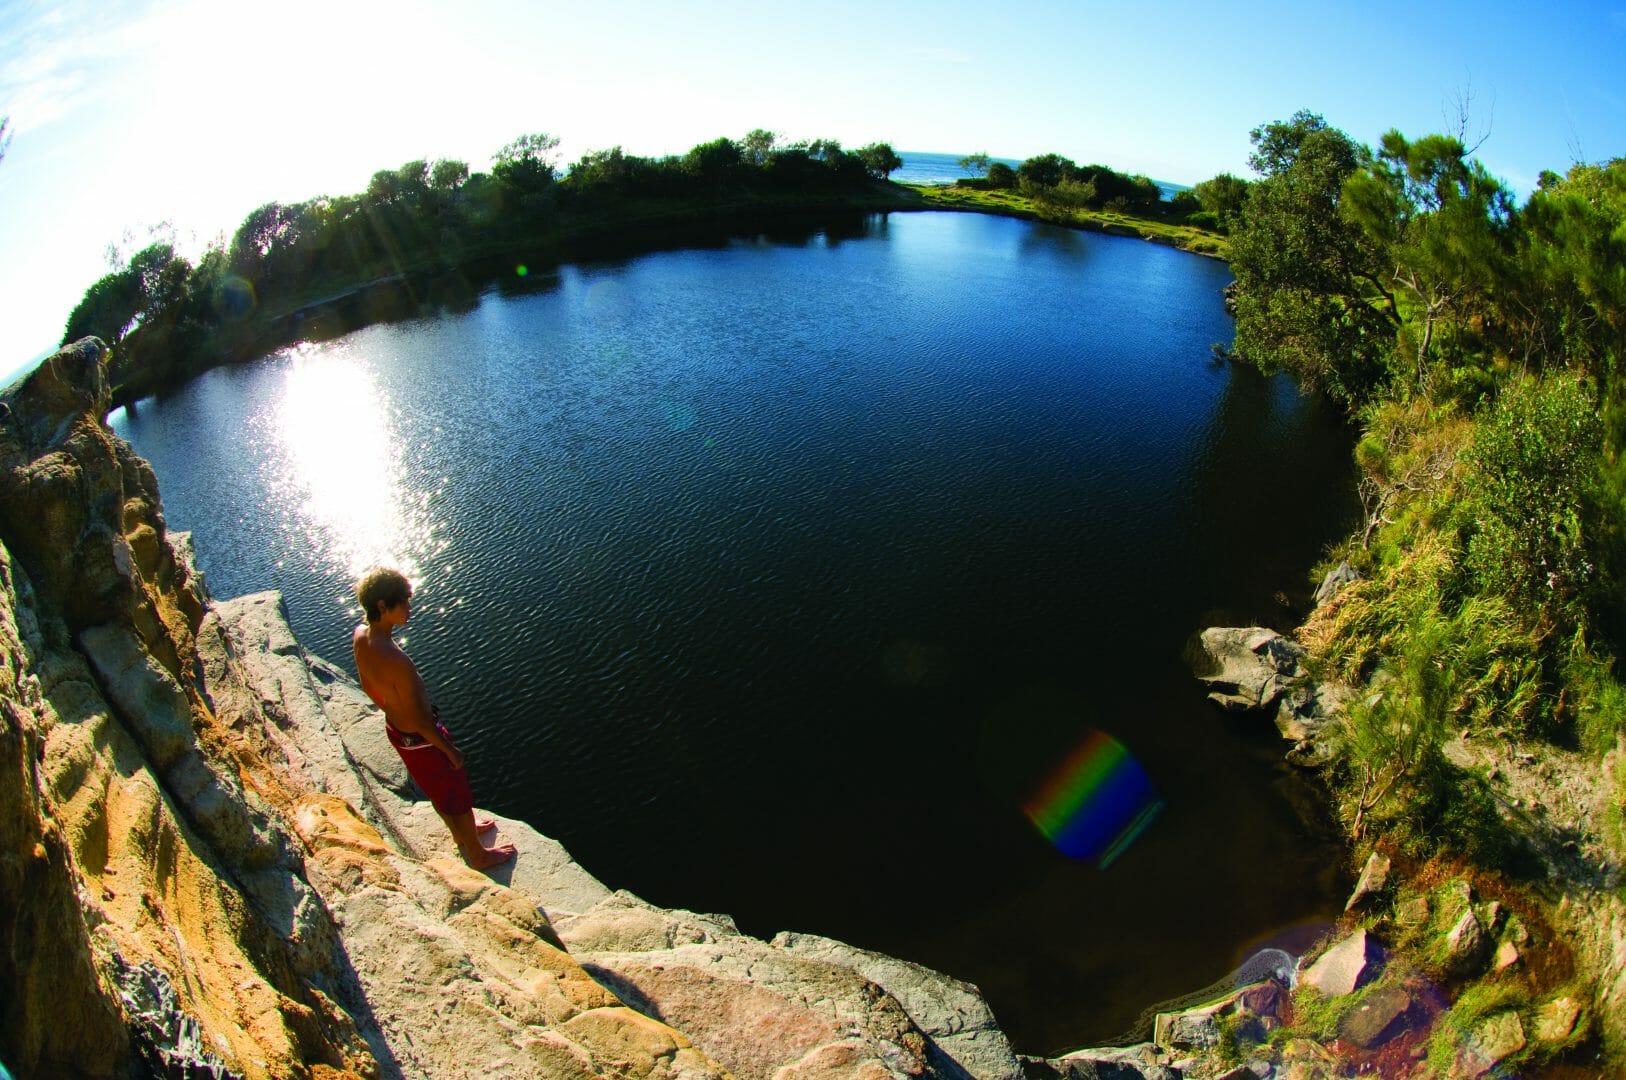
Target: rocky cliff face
211 860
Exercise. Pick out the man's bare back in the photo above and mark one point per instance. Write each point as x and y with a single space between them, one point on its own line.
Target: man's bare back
391 679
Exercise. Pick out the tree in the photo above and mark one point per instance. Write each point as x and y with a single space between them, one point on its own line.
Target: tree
879 159
1001 175
1277 146
1311 291
1069 194
1570 294
107 309
715 161
758 145
1446 225
260 232
607 170
1045 171
823 149
154 281
975 164
448 175
408 183
1222 196
527 162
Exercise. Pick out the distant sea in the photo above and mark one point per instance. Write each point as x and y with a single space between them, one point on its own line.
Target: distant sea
923 168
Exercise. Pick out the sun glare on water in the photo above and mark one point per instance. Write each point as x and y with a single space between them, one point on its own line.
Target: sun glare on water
342 486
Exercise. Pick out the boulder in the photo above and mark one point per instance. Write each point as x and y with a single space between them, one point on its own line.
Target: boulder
1465 944
756 1008
1380 1017
1495 1039
1373 881
1414 912
952 1014
1335 580
1246 668
1350 964
1142 1062
1252 1013
1556 1020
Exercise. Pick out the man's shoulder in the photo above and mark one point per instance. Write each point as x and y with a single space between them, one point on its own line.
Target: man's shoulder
385 652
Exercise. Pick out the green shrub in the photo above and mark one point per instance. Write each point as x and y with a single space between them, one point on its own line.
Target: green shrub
1532 479
1001 175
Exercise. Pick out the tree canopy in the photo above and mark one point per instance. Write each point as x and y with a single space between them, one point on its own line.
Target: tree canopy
1057 181
166 317
1312 294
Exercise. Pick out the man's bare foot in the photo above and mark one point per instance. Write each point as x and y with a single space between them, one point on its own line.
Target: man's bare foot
484 824
492 856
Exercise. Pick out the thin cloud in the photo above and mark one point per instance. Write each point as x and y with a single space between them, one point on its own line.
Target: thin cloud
54 54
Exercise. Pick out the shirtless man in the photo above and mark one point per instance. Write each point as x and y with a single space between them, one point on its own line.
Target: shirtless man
412 724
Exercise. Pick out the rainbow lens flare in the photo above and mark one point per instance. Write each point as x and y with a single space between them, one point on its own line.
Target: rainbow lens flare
1097 803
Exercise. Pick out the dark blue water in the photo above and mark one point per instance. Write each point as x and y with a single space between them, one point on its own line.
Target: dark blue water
773 577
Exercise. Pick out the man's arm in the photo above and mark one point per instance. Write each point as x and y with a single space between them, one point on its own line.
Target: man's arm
415 716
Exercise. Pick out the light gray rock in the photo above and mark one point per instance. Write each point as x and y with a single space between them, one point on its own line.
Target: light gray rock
1254 668
325 724
1335 580
1246 668
1465 944
1142 1062
951 1013
1346 967
321 720
1373 881
1414 912
759 1010
147 697
792 1007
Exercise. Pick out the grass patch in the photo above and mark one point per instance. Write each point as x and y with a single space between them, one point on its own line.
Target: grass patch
1009 203
1460 1023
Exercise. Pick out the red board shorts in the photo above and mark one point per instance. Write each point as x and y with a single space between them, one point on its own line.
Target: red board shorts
447 788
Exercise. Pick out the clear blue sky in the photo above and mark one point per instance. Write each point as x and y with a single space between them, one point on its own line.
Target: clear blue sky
128 113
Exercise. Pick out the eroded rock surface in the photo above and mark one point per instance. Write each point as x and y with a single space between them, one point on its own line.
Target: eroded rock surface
1256 669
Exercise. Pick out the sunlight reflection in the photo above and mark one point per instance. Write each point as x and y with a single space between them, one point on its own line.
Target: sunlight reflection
343 489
